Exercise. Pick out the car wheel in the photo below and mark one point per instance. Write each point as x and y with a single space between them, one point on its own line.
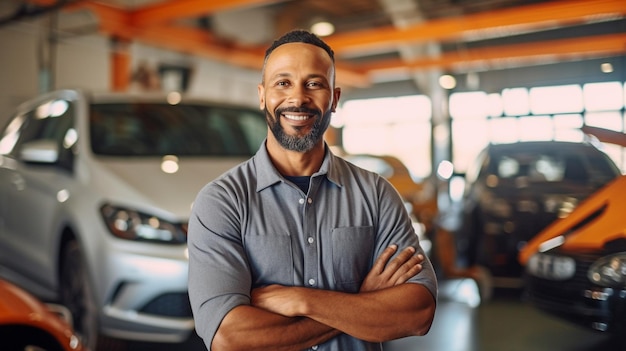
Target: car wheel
77 294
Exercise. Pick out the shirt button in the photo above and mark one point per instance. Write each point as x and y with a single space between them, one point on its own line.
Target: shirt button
311 282
309 200
301 201
310 240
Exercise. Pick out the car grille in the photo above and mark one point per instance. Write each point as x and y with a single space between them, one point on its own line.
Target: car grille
564 292
169 305
566 298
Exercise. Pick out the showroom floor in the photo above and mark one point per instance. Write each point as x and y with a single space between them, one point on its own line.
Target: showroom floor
505 323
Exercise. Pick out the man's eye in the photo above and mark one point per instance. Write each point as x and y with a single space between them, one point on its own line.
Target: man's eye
314 84
282 83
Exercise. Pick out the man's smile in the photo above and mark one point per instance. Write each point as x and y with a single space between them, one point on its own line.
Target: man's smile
295 117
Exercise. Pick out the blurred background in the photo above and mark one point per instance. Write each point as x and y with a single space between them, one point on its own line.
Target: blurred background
428 88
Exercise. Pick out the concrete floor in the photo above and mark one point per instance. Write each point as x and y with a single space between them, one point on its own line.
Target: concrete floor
504 323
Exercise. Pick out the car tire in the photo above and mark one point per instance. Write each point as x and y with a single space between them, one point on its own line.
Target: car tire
77 295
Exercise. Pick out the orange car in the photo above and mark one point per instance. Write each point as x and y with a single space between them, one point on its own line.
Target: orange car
576 267
28 324
421 195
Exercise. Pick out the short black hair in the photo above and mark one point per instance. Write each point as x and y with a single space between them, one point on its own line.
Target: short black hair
300 36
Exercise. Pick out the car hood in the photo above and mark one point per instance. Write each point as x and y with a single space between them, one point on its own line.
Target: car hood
595 221
141 183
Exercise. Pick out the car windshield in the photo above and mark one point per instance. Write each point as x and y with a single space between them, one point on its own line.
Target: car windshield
553 166
156 129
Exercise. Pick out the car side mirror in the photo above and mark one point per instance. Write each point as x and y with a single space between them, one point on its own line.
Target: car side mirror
44 151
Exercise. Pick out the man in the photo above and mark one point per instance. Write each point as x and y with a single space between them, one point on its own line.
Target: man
296 248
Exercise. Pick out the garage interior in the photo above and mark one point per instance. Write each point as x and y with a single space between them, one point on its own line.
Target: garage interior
384 48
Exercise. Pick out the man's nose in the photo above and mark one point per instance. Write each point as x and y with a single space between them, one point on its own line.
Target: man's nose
299 96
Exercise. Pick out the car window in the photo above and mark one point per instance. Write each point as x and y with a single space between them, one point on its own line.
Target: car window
153 129
49 121
553 166
602 169
540 167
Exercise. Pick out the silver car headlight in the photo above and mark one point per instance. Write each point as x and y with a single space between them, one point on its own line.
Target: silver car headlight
559 204
609 271
130 224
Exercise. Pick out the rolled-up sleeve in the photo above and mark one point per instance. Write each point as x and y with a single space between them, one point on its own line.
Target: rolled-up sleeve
396 228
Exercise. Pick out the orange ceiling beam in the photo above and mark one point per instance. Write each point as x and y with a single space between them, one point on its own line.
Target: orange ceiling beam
507 55
202 43
117 22
152 24
498 23
192 41
176 9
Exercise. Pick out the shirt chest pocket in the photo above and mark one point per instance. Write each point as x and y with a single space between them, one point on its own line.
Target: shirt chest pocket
352 249
271 259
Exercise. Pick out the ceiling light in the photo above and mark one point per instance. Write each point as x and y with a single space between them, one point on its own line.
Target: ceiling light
447 81
323 28
606 67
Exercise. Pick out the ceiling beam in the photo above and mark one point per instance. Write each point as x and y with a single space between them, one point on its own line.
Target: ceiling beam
196 42
176 9
118 23
489 24
508 55
147 25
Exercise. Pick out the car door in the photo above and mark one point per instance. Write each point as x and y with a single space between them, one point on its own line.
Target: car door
32 177
8 139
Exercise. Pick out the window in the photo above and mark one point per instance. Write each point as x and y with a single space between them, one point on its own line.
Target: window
605 96
540 113
397 126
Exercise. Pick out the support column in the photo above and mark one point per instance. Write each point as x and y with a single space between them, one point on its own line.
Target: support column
46 53
120 65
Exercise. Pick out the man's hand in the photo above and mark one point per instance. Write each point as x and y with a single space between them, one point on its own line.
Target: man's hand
284 300
276 298
385 273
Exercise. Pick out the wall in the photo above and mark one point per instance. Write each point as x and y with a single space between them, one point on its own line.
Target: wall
84 62
18 66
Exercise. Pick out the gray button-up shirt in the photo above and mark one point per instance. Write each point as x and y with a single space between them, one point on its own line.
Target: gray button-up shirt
251 227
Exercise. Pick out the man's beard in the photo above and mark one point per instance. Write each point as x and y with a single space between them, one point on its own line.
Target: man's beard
299 143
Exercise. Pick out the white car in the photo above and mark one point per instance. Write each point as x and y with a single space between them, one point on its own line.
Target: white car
95 194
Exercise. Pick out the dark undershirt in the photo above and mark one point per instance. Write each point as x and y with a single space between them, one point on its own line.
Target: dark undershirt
302 182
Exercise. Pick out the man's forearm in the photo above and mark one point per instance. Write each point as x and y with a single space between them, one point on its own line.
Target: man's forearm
386 308
250 328
382 315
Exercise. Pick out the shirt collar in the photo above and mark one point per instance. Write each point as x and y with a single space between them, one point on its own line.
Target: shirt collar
267 175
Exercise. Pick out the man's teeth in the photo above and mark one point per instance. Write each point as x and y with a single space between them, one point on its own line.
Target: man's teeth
296 117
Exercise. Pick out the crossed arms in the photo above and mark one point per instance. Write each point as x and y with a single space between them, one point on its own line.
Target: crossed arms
295 318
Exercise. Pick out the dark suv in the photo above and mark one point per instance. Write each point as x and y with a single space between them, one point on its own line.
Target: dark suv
515 190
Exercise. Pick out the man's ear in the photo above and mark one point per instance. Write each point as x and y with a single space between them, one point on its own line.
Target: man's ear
261 92
336 96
